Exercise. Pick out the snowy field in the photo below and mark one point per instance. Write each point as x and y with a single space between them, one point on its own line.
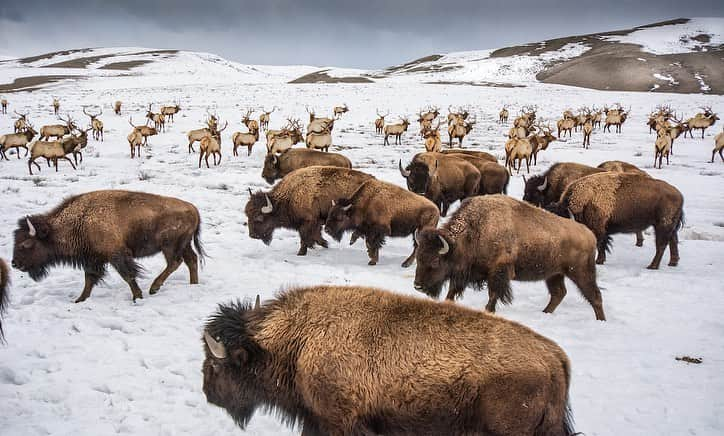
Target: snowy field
109 366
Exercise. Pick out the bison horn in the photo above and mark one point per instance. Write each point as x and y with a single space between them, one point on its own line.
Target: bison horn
257 303
570 214
346 208
404 173
445 246
275 159
268 208
544 185
217 348
250 193
31 228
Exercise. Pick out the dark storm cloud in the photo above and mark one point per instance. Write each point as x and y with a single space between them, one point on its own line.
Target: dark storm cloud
365 33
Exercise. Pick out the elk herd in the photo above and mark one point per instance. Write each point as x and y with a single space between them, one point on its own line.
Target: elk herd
573 208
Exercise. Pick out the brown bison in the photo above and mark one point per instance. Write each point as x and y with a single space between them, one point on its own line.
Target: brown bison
359 361
379 209
4 283
494 178
618 166
547 188
609 203
91 230
478 154
278 166
441 178
483 242
301 201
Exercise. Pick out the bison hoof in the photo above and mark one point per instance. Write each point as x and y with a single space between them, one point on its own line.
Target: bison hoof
152 291
372 262
674 263
639 243
652 266
302 252
80 299
407 263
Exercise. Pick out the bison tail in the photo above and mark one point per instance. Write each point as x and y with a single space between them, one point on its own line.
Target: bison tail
568 429
198 246
4 281
507 182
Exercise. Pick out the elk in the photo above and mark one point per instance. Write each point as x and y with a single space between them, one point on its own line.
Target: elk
702 121
340 110
96 124
597 115
615 117
520 150
526 117
57 130
170 111
396 130
540 142
212 120
159 119
135 140
433 143
4 105
565 125
659 117
675 130
282 140
74 144
317 124
56 105
264 118
431 114
17 141
503 115
210 145
380 122
318 141
117 107
458 130
587 128
718 146
456 117
144 130
662 146
50 150
21 122
245 140
248 122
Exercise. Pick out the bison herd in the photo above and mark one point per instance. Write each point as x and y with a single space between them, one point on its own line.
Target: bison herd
354 360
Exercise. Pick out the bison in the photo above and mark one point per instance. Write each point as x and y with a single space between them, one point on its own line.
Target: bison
618 166
359 361
301 201
494 178
489 239
4 283
609 203
441 178
479 154
89 231
379 209
278 166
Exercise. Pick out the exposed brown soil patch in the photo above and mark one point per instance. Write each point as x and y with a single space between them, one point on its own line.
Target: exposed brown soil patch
31 83
323 77
431 58
124 66
44 56
487 84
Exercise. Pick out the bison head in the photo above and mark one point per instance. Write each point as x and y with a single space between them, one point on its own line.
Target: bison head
339 219
535 189
33 252
434 261
261 217
271 170
418 176
234 362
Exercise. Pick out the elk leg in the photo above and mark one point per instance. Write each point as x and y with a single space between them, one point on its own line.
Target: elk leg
201 155
386 141
219 159
128 270
557 290
411 258
674 250
192 263
69 161
172 264
207 160
498 288
661 242
191 147
720 155
585 278
92 277
640 239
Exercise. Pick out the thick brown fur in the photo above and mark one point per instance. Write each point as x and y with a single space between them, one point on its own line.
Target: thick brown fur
359 361
494 178
609 203
618 166
556 179
379 209
479 154
278 166
489 240
301 201
4 297
91 230
442 179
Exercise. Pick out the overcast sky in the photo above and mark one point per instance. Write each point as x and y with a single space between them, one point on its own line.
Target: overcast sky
363 33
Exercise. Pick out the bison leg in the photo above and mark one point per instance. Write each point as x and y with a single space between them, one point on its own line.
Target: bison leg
585 278
601 247
192 263
557 290
307 236
499 288
172 264
355 236
128 270
674 250
374 241
411 258
92 277
455 289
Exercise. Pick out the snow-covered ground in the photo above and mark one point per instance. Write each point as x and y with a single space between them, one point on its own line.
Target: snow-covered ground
677 38
109 366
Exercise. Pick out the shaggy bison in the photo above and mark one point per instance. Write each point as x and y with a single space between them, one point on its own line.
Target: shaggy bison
91 230
301 201
495 239
379 209
609 203
443 179
359 361
278 166
494 178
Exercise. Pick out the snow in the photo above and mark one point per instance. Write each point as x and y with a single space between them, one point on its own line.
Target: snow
109 366
676 38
